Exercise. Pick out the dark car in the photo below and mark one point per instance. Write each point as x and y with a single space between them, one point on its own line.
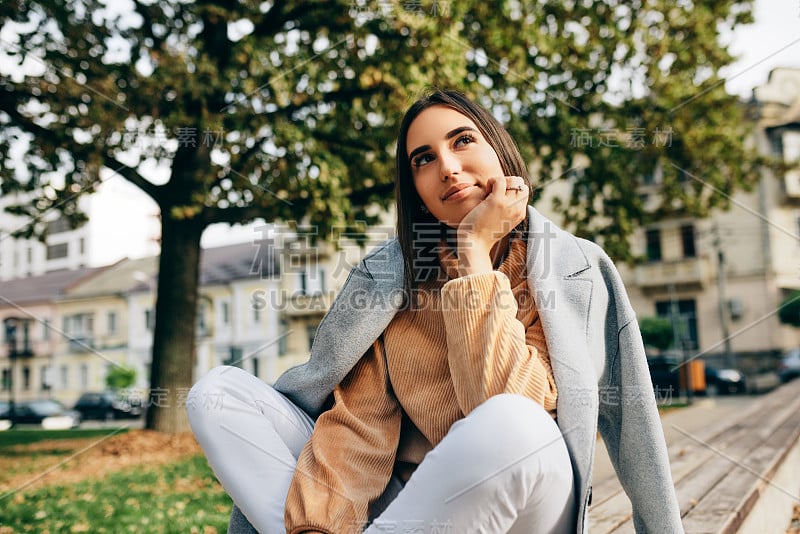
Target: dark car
664 373
789 367
724 381
106 406
50 414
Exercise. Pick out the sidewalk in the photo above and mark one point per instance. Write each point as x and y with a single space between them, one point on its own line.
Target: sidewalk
702 413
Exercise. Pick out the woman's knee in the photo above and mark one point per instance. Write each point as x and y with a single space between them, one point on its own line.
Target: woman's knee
206 398
516 417
212 387
518 427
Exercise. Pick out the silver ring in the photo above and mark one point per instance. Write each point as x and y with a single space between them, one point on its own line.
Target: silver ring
517 188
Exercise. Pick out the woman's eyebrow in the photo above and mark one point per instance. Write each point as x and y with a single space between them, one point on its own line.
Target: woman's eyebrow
449 135
460 129
417 150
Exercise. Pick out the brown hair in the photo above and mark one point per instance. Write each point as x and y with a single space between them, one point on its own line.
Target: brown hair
418 231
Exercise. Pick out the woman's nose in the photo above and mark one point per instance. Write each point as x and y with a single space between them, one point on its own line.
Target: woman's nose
449 165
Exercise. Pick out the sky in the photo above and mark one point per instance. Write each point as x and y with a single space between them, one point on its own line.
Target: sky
773 41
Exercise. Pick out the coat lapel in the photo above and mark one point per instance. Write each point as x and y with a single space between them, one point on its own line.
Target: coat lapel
561 280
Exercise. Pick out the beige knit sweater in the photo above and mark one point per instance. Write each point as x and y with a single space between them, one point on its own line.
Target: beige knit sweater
465 340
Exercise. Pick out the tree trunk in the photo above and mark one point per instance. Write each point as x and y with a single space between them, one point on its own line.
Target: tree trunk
173 339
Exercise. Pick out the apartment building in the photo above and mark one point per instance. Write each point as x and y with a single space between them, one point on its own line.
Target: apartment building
32 332
121 223
722 279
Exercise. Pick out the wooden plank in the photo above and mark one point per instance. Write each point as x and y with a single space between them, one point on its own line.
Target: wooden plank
613 514
615 510
727 505
750 433
698 469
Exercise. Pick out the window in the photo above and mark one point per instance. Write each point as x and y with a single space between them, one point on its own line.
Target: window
44 378
225 313
112 322
46 330
64 376
58 226
202 327
84 376
149 319
687 239
653 244
283 342
311 330
255 366
26 337
684 315
6 380
303 283
26 378
55 252
17 336
30 255
81 246
79 324
235 356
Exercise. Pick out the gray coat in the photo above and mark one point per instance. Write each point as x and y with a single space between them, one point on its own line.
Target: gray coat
596 352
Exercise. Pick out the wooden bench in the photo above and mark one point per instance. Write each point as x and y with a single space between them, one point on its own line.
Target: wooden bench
739 475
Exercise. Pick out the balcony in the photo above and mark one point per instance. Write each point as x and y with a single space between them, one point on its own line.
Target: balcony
80 343
683 273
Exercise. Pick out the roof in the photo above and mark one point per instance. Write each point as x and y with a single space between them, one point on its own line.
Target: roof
44 287
234 262
218 265
122 277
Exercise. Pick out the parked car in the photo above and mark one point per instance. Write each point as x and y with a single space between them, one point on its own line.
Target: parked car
107 405
789 367
723 381
664 373
50 414
5 424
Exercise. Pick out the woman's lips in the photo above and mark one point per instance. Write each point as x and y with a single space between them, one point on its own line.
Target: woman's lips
458 192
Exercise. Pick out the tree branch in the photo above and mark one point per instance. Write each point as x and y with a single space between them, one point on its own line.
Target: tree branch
236 214
362 196
132 175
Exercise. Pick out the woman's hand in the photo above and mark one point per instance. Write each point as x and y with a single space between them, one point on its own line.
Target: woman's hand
489 222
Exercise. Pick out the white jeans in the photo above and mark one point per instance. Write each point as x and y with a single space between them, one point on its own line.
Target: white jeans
502 469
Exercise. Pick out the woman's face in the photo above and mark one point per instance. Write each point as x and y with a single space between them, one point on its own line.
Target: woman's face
450 163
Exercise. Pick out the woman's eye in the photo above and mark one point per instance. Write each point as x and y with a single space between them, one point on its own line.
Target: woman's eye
422 159
465 140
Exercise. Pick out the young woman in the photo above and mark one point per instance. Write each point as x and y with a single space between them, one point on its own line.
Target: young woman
471 402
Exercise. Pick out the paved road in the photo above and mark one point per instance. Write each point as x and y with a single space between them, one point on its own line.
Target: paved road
701 414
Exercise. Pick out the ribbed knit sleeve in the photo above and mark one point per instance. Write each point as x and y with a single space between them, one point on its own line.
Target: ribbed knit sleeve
488 349
348 461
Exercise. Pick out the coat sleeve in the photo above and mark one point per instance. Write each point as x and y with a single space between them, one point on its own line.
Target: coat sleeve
347 463
489 350
631 429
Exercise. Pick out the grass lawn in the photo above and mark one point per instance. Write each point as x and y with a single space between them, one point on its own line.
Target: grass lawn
179 496
26 436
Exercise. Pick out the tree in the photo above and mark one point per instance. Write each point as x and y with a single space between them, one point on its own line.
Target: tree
120 377
656 332
789 310
287 110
